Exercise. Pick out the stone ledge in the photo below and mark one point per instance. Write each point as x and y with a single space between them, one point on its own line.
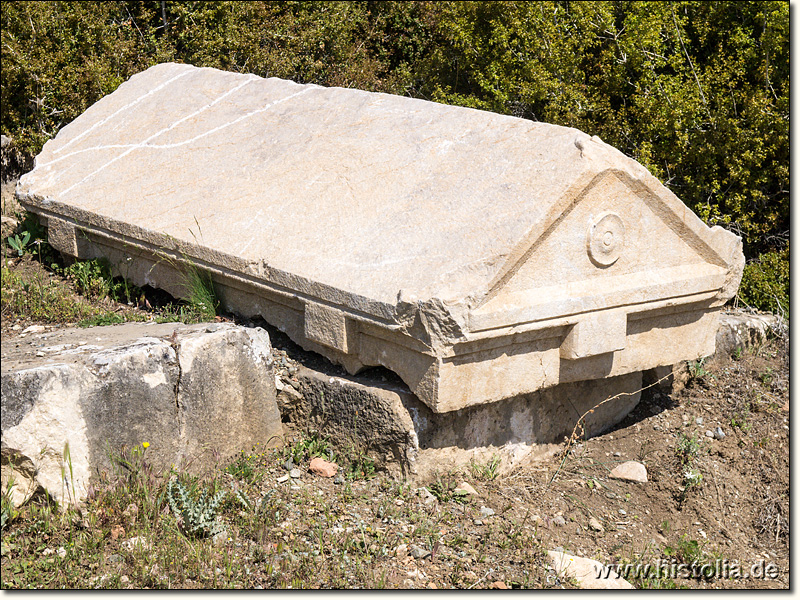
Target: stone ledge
196 394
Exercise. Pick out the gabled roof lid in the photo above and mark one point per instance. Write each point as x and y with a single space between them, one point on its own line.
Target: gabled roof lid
367 193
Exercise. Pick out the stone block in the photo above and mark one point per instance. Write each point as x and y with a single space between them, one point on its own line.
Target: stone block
479 256
403 435
195 394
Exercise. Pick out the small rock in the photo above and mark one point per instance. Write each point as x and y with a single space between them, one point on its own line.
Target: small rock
477 522
709 434
401 551
559 521
114 558
585 571
9 226
486 512
785 407
630 471
323 468
595 525
432 586
418 552
656 427
718 433
295 473
124 580
699 420
220 538
34 329
139 543
427 497
499 585
466 489
622 511
338 480
537 520
617 454
283 478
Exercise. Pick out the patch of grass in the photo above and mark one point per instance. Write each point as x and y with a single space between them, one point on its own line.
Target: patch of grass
741 418
201 296
487 471
93 279
697 370
688 448
443 487
34 297
353 461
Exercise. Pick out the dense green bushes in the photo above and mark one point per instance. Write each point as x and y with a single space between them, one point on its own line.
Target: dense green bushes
766 282
696 91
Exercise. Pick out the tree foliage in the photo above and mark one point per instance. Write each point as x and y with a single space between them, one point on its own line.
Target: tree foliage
698 92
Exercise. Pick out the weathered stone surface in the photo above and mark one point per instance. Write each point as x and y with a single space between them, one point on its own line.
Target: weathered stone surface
630 471
740 330
479 256
194 394
587 572
405 435
9 226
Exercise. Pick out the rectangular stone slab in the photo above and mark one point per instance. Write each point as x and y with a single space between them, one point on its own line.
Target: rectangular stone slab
477 255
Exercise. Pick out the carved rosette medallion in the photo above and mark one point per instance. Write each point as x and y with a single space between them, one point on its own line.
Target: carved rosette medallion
605 239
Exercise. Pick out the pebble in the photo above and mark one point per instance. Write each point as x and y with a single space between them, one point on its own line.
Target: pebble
709 434
466 488
595 525
323 468
295 473
477 522
338 480
283 479
630 471
699 420
718 433
418 552
559 521
617 454
136 542
499 585
486 512
427 497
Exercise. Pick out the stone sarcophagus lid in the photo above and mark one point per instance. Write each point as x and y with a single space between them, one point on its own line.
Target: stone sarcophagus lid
478 256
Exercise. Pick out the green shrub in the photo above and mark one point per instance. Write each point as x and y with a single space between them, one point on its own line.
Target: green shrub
765 282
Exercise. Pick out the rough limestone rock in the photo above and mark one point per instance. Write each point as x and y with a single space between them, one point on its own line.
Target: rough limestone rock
479 256
740 330
404 435
588 572
195 394
630 471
